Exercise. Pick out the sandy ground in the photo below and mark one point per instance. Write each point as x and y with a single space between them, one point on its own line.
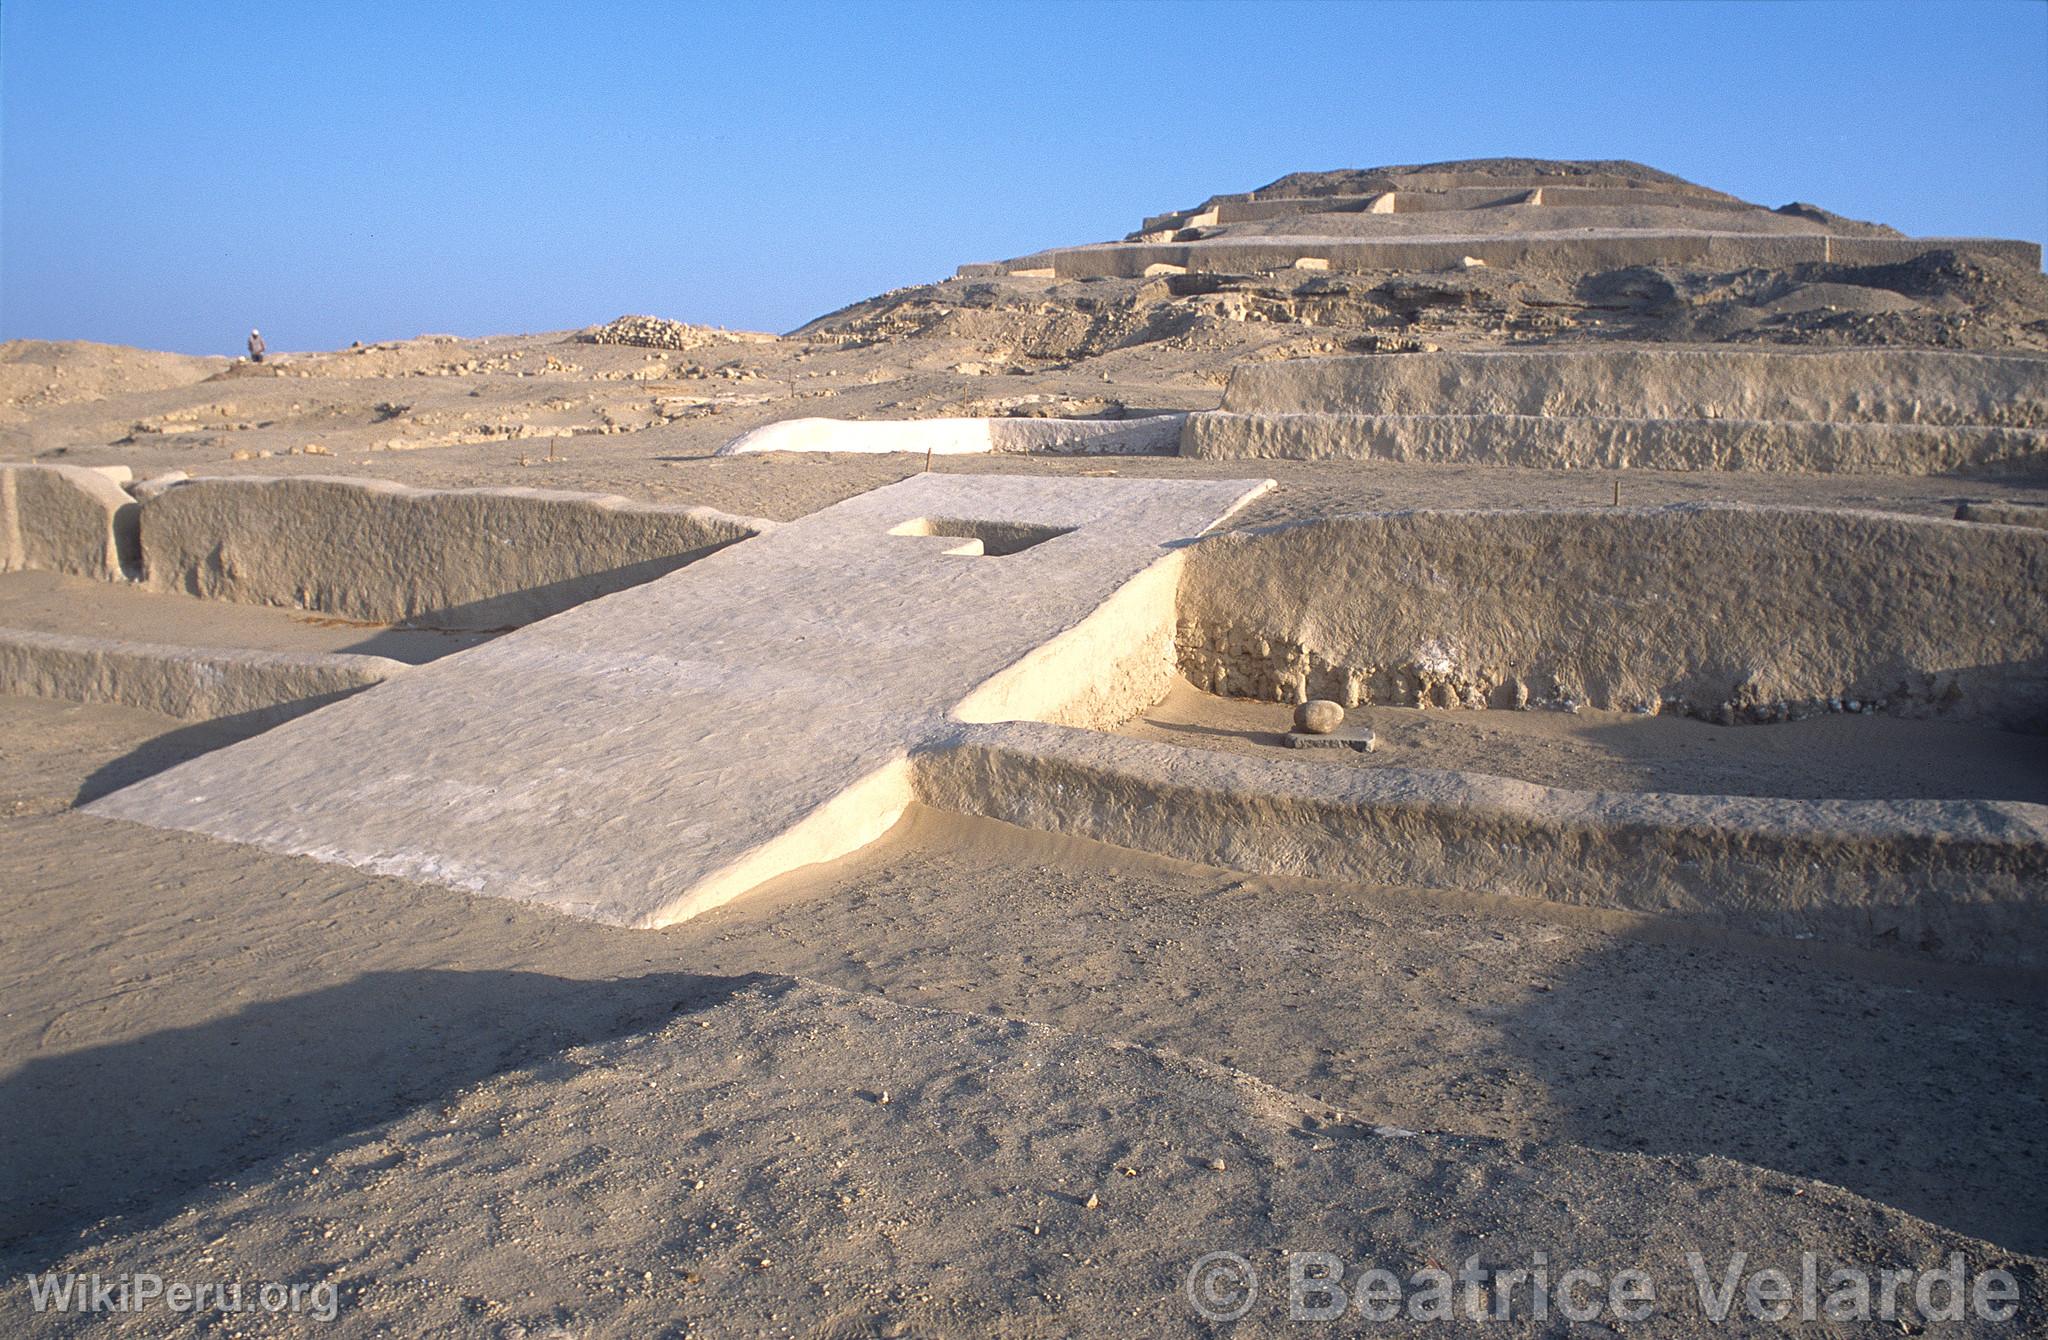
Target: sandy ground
1832 757
553 395
50 602
190 1009
776 1158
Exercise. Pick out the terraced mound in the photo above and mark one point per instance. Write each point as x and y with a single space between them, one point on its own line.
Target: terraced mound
1451 254
1566 217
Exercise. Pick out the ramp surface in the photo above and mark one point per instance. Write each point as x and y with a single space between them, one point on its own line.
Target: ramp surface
648 755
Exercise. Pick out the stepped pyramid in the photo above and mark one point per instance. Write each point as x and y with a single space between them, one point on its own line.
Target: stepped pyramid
1570 217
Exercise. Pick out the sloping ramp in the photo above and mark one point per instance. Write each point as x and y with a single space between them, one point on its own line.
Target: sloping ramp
648 755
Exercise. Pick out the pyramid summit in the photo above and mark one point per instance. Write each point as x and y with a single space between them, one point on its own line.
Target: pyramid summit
1472 254
1555 216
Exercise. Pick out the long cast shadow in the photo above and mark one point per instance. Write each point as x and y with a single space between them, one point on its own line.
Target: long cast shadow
184 743
1909 1091
515 609
135 1126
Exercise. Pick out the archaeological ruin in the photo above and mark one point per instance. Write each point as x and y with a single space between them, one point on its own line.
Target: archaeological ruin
931 687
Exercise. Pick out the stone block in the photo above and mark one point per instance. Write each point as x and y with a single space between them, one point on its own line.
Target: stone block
62 518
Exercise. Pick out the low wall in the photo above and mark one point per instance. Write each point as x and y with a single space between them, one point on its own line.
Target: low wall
195 684
1894 250
1466 197
63 518
1615 444
1967 880
1279 207
1573 252
1920 386
940 437
386 553
1727 611
1602 197
1154 434
1505 251
1453 180
2005 514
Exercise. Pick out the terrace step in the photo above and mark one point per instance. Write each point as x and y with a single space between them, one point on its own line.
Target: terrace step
1578 252
1618 444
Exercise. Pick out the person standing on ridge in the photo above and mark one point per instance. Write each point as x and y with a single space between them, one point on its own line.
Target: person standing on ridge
255 346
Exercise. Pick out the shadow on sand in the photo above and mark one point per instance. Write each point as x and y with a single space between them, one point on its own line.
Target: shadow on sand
184 743
135 1126
1922 1091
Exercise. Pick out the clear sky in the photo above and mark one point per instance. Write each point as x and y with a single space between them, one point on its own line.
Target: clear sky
174 173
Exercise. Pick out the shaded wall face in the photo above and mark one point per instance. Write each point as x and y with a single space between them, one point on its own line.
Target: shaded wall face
60 518
1733 612
464 559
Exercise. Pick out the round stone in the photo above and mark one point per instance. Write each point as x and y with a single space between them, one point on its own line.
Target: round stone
1318 716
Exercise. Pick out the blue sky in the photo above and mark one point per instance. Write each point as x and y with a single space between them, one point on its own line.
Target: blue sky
171 174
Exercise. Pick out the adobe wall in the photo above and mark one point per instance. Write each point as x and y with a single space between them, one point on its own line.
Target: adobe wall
1462 198
2004 514
63 518
1573 252
1616 444
1153 434
386 553
1965 879
192 683
1917 386
1733 612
